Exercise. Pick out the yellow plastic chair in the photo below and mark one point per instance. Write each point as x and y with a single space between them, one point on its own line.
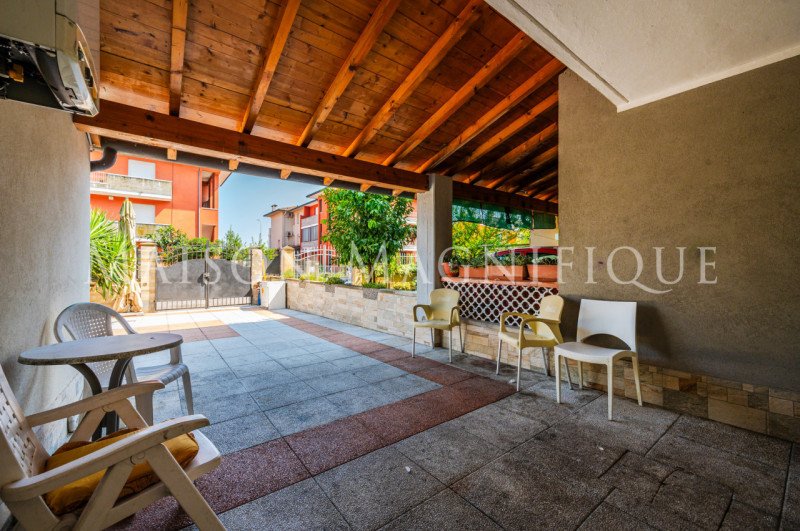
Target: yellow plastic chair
441 314
535 331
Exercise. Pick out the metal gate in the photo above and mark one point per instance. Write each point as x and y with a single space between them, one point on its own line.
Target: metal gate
196 279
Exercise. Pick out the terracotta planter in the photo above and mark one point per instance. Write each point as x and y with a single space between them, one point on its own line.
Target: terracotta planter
515 273
496 272
449 270
543 273
472 272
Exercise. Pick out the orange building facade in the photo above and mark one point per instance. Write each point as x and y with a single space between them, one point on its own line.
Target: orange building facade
162 193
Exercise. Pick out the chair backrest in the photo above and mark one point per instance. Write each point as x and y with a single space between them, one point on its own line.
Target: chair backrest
551 307
85 320
21 454
614 318
443 300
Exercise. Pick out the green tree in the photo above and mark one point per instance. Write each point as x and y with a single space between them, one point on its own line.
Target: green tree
471 241
365 228
231 245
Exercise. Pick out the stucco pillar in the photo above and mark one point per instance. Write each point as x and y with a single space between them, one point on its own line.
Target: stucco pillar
148 252
256 271
287 260
434 234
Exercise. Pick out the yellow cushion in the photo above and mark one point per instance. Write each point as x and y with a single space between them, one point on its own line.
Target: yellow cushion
74 495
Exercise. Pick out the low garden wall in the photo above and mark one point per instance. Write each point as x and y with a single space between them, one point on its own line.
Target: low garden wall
383 310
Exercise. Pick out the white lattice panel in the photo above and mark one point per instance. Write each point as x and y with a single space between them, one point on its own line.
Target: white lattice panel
486 302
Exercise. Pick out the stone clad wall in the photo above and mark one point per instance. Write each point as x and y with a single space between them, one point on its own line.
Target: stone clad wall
382 310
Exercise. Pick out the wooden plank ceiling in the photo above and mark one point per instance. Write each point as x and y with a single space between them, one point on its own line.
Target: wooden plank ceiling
447 86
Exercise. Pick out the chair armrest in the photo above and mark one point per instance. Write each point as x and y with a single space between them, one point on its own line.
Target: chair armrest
506 315
128 448
102 400
552 324
425 308
455 315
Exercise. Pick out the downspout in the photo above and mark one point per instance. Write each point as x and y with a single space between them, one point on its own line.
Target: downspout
105 162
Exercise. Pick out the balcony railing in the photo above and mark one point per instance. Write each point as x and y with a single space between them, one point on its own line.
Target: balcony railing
127 186
308 221
143 230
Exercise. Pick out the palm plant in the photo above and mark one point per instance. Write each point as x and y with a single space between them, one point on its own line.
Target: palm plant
109 255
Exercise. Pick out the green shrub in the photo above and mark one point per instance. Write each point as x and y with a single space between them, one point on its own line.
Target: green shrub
547 259
373 285
405 286
289 273
334 279
110 255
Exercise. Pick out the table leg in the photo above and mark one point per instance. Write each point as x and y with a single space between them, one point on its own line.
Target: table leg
114 381
96 388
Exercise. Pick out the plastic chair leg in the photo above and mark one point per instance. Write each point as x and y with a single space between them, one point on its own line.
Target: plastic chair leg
610 390
187 392
558 378
635 361
499 353
519 365
414 342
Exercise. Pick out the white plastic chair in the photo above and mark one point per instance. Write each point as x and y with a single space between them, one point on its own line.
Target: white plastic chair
441 314
614 318
86 320
24 481
535 331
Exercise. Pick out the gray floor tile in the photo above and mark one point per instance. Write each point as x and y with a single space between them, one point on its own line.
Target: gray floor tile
242 432
379 372
304 415
499 427
317 370
376 488
448 452
268 380
762 448
298 507
337 353
406 386
261 367
606 517
283 395
282 352
335 383
446 510
299 360
355 362
754 483
226 408
247 359
519 493
360 399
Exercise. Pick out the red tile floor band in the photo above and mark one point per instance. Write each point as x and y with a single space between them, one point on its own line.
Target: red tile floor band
260 470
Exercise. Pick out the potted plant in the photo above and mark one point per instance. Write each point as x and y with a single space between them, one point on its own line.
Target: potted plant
474 267
450 267
512 266
543 269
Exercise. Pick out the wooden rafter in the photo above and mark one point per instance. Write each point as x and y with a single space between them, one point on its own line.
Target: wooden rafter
161 130
503 165
380 17
549 193
544 176
497 197
457 28
545 184
517 43
507 132
273 50
172 154
536 163
97 143
180 13
533 83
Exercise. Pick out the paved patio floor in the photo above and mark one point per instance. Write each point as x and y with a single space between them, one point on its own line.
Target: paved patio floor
328 425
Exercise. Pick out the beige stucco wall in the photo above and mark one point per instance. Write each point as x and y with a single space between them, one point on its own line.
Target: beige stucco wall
717 166
44 256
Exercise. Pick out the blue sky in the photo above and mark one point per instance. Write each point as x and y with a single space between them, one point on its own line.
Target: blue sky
244 199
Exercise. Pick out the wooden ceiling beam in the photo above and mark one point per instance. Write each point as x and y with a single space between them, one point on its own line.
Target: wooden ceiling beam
161 130
272 54
506 54
535 164
180 13
457 28
366 40
496 197
503 165
549 193
545 175
507 132
531 85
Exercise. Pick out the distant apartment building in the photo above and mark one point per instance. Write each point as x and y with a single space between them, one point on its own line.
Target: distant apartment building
303 226
162 193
